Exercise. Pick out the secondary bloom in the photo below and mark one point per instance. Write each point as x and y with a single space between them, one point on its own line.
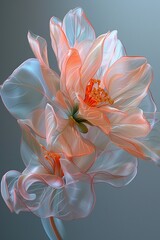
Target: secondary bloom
52 185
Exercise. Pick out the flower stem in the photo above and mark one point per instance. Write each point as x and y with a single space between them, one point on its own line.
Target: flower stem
52 222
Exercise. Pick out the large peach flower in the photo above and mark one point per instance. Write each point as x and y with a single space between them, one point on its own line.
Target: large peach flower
33 84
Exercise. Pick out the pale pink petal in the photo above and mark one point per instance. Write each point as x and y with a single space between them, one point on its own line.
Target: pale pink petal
92 61
9 192
31 150
130 124
77 27
40 176
95 116
136 136
39 48
70 76
128 80
113 50
61 135
114 166
59 41
83 48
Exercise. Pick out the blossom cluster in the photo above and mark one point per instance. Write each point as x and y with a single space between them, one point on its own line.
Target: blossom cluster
86 125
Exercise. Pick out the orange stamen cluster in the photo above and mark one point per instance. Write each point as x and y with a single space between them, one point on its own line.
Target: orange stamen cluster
54 161
96 95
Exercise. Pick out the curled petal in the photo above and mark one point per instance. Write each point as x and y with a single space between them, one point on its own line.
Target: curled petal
77 27
9 192
41 176
39 48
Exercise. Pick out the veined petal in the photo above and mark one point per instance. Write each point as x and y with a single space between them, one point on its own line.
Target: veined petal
9 192
39 48
113 50
77 27
92 61
114 166
25 182
70 77
149 108
95 116
76 199
99 139
31 150
61 135
59 41
128 80
83 48
131 124
130 133
150 145
25 90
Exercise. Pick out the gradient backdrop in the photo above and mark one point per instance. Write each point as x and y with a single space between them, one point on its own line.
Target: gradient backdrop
130 213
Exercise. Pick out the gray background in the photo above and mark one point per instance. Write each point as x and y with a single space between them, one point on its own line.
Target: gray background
130 213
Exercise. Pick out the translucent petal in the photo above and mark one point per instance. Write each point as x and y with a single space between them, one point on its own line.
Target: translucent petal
31 150
61 135
114 166
92 61
76 200
98 138
91 113
39 48
113 50
149 108
128 81
70 76
77 27
59 41
83 48
9 192
150 145
130 124
25 90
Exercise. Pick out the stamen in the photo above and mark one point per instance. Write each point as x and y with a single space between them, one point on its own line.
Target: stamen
96 95
54 160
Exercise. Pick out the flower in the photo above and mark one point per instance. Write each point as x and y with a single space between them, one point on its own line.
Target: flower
52 185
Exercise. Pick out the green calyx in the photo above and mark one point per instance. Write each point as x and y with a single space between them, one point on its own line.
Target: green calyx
80 122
